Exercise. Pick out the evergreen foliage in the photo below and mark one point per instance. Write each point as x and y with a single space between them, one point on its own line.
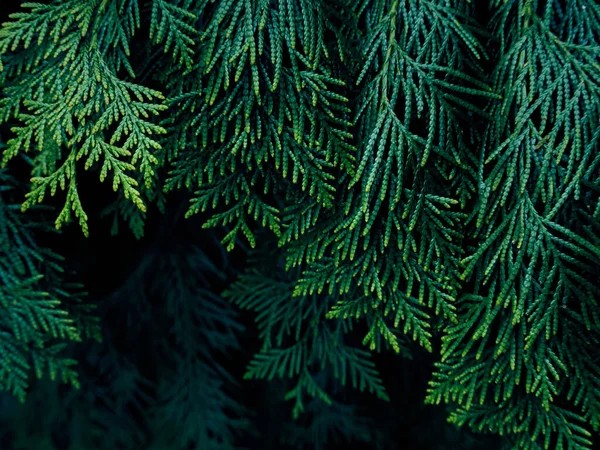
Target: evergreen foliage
297 342
409 171
529 336
182 401
41 310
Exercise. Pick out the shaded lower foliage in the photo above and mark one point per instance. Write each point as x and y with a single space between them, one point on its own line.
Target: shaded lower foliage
168 372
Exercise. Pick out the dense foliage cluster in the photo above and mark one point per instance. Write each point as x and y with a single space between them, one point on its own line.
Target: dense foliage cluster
409 172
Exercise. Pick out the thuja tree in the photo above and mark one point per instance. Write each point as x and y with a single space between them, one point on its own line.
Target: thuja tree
415 171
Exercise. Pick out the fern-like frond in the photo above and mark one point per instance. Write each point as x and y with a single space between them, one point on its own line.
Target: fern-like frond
40 313
297 341
535 257
73 104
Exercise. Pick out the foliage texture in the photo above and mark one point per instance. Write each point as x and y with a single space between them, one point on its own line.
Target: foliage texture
41 311
414 172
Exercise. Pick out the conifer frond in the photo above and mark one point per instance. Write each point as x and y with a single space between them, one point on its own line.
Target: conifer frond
296 338
39 312
397 221
166 310
124 210
73 101
535 257
193 407
174 25
264 98
533 420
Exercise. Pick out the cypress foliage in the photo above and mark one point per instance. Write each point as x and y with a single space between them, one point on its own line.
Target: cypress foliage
405 173
42 309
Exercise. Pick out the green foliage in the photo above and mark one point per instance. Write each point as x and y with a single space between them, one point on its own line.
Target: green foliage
430 170
76 105
187 403
393 238
297 341
259 112
530 330
41 313
192 406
